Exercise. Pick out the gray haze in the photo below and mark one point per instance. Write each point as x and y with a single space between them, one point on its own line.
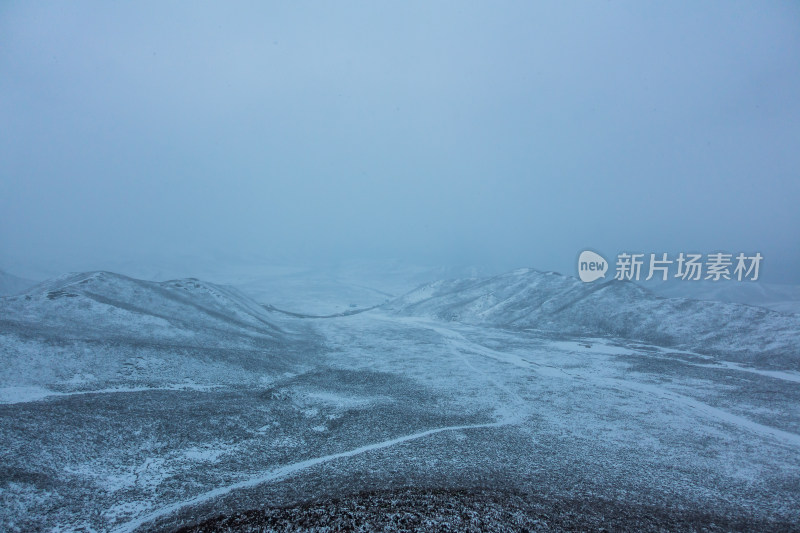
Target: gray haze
501 134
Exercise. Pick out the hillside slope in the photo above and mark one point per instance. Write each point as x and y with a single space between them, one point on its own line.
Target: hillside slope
101 329
548 301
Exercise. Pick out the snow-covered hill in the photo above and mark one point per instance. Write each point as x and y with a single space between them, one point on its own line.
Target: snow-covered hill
548 301
100 329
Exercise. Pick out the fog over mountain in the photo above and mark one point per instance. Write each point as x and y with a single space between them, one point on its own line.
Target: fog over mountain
436 133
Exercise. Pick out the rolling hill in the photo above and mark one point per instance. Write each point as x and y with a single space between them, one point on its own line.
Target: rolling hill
99 329
530 299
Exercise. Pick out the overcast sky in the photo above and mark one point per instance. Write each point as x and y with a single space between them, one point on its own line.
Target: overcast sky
504 134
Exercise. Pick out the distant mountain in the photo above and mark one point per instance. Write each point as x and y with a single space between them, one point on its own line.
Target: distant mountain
548 301
10 284
773 296
117 329
111 305
331 289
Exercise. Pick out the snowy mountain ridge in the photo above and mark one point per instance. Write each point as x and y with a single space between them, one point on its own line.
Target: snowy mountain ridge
530 299
97 330
113 304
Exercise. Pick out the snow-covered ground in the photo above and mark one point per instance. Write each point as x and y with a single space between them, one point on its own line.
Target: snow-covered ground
147 405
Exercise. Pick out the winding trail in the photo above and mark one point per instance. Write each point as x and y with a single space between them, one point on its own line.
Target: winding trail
288 470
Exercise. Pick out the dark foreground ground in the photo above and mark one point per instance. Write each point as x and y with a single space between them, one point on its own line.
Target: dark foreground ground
474 511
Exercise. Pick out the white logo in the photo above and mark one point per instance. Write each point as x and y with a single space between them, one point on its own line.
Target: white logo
689 266
591 266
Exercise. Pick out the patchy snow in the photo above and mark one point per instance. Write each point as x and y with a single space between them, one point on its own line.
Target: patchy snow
205 454
34 393
590 345
341 401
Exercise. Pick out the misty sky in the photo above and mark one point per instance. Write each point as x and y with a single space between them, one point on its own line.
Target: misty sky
504 134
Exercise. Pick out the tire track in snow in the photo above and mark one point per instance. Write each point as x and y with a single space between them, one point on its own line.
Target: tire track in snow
287 471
